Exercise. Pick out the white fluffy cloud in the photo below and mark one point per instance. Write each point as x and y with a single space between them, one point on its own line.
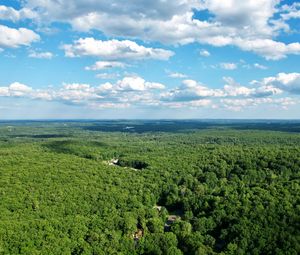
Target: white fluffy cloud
268 48
75 93
249 25
289 82
243 14
13 38
134 90
133 83
234 89
291 12
190 90
15 89
155 9
9 13
129 90
114 49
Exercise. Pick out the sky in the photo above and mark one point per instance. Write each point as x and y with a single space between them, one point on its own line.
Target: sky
141 59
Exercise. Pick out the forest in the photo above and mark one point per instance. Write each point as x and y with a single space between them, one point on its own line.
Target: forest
149 187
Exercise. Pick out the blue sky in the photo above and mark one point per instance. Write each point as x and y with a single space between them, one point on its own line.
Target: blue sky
149 59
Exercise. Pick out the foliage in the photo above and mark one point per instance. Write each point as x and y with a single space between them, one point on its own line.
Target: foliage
232 190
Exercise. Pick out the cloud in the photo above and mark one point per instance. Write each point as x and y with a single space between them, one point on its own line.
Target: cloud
42 95
75 93
114 49
200 103
290 11
177 75
190 90
228 66
246 65
240 104
128 90
234 89
243 13
289 82
14 38
259 66
204 53
136 91
133 83
15 89
268 48
4 91
156 9
9 13
101 65
250 25
41 55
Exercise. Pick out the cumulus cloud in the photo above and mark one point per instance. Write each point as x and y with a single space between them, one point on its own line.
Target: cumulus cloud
9 13
290 11
249 25
268 48
114 49
190 90
15 89
155 9
244 13
136 91
133 83
129 90
75 93
289 82
234 89
13 38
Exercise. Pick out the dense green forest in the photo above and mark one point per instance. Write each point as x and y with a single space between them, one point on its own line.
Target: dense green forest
149 187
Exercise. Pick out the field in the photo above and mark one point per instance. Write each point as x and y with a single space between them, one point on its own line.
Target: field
149 187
